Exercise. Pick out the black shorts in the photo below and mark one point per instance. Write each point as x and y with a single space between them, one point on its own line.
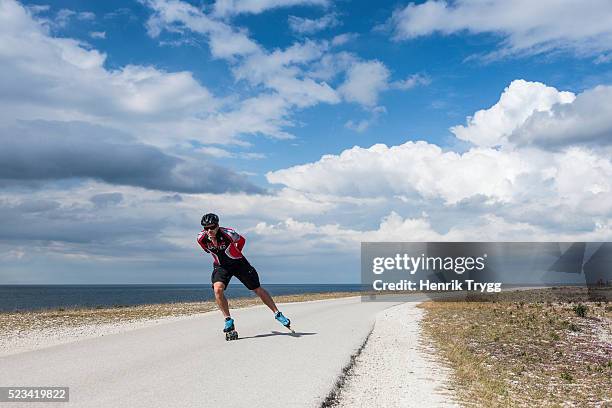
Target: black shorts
243 271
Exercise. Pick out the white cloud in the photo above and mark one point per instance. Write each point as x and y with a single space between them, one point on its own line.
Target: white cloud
224 8
281 71
379 192
86 15
225 42
38 8
266 113
587 120
483 194
412 81
344 38
412 168
360 126
309 237
575 180
98 34
64 16
303 25
518 192
253 155
533 114
218 152
296 74
364 124
68 81
525 26
122 11
364 82
519 101
330 65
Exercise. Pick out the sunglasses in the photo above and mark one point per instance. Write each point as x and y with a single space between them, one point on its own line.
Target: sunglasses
210 227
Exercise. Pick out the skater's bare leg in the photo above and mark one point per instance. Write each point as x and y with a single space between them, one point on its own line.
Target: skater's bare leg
266 298
220 298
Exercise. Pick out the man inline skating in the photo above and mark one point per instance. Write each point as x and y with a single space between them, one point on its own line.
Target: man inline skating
225 245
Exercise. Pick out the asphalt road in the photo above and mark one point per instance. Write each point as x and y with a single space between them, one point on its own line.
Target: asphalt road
189 364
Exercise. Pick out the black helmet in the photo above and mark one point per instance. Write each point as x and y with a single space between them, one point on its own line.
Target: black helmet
209 219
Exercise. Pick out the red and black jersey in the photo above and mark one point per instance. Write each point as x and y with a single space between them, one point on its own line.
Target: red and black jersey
228 251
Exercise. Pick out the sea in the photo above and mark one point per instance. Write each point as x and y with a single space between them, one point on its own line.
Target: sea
45 297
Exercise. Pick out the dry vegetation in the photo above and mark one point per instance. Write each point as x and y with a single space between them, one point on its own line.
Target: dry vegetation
549 347
23 322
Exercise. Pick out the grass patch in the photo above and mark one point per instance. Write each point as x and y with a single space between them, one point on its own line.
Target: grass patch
527 348
581 310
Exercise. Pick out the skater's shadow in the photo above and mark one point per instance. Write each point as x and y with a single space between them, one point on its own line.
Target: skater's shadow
277 333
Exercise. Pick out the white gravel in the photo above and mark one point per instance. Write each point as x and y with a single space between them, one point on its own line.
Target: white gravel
397 368
13 342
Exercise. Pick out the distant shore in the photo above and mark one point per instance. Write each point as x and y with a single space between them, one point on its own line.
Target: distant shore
30 297
31 330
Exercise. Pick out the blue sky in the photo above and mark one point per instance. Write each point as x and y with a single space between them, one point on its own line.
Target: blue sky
457 88
133 118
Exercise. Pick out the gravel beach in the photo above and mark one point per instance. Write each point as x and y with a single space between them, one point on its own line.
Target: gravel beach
15 341
27 331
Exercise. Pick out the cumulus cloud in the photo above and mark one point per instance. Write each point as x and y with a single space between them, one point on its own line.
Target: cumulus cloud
483 194
423 171
303 25
364 82
586 120
533 114
113 222
549 180
411 168
281 71
525 27
334 238
519 101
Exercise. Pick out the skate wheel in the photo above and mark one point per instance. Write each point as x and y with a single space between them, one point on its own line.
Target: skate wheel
233 335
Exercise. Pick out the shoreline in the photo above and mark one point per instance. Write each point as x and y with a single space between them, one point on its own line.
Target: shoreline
25 331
